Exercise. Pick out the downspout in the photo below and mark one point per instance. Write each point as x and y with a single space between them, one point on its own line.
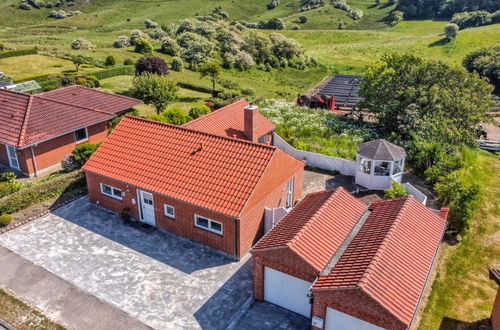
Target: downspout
34 161
235 240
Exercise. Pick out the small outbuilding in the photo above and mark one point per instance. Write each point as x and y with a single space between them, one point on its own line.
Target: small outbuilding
379 162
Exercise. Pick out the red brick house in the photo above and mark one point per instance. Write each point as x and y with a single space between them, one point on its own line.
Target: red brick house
348 265
37 131
240 120
208 188
495 314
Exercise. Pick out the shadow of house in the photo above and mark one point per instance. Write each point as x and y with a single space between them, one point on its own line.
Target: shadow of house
453 324
174 251
218 310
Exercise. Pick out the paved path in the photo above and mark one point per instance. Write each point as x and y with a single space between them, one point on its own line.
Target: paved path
164 281
60 300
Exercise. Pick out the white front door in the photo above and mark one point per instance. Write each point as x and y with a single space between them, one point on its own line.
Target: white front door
336 320
14 163
287 291
147 208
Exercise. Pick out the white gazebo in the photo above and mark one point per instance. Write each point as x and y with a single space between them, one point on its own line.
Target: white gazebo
378 163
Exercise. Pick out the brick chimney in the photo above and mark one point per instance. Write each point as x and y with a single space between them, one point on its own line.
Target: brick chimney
250 122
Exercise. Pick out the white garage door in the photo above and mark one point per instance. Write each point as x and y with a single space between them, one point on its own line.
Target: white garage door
287 291
336 320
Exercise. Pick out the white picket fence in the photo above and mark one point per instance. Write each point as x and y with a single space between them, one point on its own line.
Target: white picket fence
272 217
344 166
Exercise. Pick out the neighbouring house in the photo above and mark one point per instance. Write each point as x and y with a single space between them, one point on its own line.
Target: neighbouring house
239 120
495 314
37 131
348 265
208 188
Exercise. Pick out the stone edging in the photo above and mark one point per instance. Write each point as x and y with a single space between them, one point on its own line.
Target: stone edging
6 326
25 221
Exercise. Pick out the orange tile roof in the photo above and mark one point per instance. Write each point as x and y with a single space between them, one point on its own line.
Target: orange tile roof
391 256
29 119
214 172
229 121
92 98
316 227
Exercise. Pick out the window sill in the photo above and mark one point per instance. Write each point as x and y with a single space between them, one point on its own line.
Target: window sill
210 231
111 196
81 141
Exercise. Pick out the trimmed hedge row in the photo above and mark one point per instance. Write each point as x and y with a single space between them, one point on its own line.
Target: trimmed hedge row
124 70
41 77
21 52
194 87
71 183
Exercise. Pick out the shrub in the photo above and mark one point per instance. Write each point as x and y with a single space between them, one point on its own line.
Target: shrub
121 42
176 116
295 27
71 184
247 92
69 163
151 64
356 13
486 62
80 43
150 24
272 24
5 220
154 89
7 177
396 190
194 87
170 47
301 20
7 188
177 64
21 52
495 17
110 61
128 61
199 111
197 49
472 19
243 61
2 46
451 31
135 35
126 70
396 17
158 34
82 152
273 4
143 46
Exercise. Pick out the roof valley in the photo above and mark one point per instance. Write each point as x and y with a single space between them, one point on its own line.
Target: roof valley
22 133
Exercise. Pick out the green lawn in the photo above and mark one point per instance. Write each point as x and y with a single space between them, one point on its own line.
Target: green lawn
462 292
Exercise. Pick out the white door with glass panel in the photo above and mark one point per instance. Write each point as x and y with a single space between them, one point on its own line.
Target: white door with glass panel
147 208
14 163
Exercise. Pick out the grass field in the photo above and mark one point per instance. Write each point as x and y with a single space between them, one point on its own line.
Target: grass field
462 293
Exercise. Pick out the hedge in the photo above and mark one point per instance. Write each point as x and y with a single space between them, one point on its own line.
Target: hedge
71 183
194 87
125 70
42 77
20 52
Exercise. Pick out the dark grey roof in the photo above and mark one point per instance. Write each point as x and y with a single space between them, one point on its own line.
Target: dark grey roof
344 88
381 150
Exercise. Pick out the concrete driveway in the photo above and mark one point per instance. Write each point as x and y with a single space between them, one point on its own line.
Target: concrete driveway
164 281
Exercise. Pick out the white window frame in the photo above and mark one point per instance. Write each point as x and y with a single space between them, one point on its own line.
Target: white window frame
12 155
86 135
210 221
112 195
165 207
289 193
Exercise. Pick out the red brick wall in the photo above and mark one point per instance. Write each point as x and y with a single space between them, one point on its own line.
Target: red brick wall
251 225
495 315
51 152
182 225
282 260
355 303
4 160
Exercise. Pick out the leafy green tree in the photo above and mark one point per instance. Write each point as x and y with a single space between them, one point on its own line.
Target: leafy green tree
176 116
2 46
77 61
110 61
433 100
486 62
82 152
156 90
212 70
396 190
199 111
143 46
451 31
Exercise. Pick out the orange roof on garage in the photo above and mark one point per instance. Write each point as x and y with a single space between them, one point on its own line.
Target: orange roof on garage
229 121
390 257
214 172
316 227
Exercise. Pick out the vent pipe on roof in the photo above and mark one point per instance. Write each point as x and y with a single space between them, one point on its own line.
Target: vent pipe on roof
250 122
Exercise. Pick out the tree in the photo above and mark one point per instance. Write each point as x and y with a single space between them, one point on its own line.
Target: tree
199 111
396 17
451 31
110 61
158 91
151 64
486 62
213 71
2 46
433 100
82 152
396 190
143 46
80 43
197 49
77 61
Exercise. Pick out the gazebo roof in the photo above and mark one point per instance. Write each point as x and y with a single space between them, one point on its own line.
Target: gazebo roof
381 150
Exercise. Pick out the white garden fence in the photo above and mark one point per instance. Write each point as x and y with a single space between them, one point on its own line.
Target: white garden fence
411 190
344 166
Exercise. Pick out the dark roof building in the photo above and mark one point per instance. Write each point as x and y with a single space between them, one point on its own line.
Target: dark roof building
381 150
